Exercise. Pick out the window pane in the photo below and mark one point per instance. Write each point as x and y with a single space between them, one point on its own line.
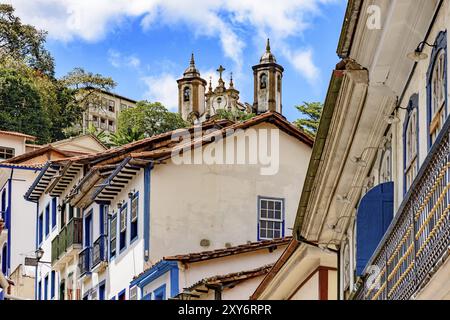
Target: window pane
263 213
278 205
263 234
263 224
270 234
263 204
277 215
270 203
276 234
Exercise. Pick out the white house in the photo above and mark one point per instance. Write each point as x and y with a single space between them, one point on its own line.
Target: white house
231 273
124 209
376 208
18 239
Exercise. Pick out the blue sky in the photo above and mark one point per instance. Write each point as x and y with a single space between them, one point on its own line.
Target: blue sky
145 45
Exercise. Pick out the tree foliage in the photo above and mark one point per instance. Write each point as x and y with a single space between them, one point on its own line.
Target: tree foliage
123 137
149 119
311 112
23 42
27 71
21 106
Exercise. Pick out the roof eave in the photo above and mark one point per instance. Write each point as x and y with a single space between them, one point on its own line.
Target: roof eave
318 148
349 25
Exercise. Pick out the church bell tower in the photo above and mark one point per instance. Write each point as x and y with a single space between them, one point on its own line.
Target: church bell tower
191 93
268 76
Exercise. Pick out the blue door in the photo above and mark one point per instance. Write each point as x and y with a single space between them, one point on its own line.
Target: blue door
375 213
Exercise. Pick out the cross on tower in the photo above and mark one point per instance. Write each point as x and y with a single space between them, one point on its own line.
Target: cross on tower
220 70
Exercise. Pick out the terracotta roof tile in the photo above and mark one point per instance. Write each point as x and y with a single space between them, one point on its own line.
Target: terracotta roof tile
232 277
18 134
219 253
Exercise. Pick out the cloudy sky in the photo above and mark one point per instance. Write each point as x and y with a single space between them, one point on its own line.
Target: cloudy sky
145 45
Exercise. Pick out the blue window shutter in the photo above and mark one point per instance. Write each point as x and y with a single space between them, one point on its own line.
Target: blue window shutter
53 212
375 213
47 220
52 285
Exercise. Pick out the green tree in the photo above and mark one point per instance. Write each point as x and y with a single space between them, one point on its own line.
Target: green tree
23 42
121 137
21 106
149 119
236 115
312 112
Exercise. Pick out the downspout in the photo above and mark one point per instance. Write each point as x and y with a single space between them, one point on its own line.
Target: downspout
36 243
147 189
8 224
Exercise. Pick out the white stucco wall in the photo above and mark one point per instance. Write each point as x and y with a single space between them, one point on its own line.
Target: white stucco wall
219 202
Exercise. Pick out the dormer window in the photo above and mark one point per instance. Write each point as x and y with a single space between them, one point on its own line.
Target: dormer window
186 94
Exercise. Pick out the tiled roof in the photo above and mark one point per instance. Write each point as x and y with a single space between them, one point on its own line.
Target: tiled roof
29 155
24 166
18 134
232 277
293 245
219 253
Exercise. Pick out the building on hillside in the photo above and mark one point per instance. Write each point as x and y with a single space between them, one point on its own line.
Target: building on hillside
376 208
196 103
231 273
103 109
124 209
18 239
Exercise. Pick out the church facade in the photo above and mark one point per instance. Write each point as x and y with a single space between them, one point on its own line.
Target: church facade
199 103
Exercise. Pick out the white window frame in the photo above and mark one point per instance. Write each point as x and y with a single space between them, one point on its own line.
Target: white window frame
438 93
268 220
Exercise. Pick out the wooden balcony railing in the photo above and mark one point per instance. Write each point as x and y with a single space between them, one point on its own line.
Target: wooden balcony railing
70 235
419 234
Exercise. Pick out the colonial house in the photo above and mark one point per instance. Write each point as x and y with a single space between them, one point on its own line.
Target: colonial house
17 173
121 211
374 211
231 273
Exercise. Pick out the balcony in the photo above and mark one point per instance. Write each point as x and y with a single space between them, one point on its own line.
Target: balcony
67 243
419 235
99 254
84 261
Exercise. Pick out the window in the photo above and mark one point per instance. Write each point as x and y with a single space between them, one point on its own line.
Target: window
279 83
263 81
134 217
121 295
270 224
6 153
41 227
101 292
52 284
437 88
4 259
123 228
438 96
111 106
123 107
112 236
410 144
46 287
160 293
39 289
386 162
54 205
133 293
47 220
111 123
186 94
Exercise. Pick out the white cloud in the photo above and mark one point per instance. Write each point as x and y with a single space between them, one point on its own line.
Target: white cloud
162 88
302 60
224 19
119 60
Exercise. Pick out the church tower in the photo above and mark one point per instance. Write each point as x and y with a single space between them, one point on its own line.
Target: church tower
191 93
268 77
